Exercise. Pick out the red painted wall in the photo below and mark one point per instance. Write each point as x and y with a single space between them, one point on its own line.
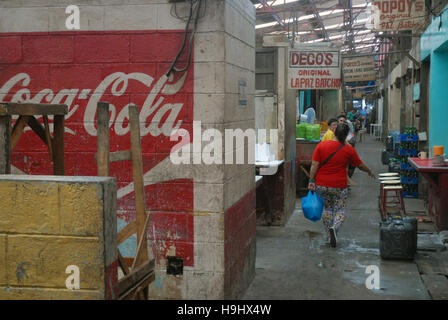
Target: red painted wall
74 68
239 235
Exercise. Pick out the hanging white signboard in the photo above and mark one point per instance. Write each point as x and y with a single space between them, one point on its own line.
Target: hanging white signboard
314 67
397 15
359 69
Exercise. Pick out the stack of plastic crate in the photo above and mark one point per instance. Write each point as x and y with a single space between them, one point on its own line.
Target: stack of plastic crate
408 174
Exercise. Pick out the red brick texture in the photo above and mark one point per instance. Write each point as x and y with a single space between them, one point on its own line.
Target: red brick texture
10 49
68 67
239 255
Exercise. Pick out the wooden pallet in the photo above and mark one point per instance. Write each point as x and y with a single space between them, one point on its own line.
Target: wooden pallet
27 113
138 275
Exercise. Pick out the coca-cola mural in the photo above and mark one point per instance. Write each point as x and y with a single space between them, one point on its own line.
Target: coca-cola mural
122 68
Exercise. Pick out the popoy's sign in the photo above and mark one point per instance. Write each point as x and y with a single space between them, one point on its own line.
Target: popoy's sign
397 15
314 68
359 69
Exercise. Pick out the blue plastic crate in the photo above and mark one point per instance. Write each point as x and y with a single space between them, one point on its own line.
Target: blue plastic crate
408 194
408 152
395 137
407 180
408 137
406 166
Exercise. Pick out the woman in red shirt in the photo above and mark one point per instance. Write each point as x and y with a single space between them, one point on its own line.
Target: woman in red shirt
328 177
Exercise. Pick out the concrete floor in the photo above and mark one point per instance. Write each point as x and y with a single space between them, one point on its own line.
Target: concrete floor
296 262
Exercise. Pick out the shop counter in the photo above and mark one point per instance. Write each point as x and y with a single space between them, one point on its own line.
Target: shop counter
268 178
437 177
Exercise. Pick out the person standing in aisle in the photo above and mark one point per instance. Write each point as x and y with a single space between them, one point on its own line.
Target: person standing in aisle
351 139
329 135
364 116
351 134
328 177
351 115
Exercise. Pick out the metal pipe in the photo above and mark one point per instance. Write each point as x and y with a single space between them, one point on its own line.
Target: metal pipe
371 54
354 88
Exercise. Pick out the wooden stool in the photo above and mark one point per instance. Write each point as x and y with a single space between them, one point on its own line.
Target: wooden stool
27 113
388 178
386 183
388 174
398 191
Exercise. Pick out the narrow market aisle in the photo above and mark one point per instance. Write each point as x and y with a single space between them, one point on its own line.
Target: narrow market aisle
296 262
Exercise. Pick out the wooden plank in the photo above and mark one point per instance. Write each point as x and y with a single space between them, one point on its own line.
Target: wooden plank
102 159
126 232
5 144
18 130
135 291
32 109
140 244
136 276
139 190
140 292
48 137
305 171
143 289
58 145
120 155
37 128
128 261
123 265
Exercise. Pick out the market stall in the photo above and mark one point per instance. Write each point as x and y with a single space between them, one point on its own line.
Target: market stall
437 177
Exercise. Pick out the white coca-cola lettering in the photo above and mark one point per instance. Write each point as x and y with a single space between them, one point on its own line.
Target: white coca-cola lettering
118 84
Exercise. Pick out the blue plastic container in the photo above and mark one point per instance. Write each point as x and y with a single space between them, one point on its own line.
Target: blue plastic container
408 152
408 137
408 180
395 136
406 166
408 194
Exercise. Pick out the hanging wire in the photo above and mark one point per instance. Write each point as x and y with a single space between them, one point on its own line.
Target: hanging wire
175 14
195 8
292 26
295 27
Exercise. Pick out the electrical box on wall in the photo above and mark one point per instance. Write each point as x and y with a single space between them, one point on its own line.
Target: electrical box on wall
175 266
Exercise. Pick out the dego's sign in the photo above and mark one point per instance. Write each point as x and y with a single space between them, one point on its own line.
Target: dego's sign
314 68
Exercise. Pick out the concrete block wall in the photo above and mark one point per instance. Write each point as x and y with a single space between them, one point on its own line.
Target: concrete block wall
131 43
289 167
284 186
240 215
48 223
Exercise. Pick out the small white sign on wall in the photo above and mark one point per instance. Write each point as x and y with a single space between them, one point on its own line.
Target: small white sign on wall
242 93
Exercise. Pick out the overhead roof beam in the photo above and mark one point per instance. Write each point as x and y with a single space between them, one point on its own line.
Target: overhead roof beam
320 21
268 7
